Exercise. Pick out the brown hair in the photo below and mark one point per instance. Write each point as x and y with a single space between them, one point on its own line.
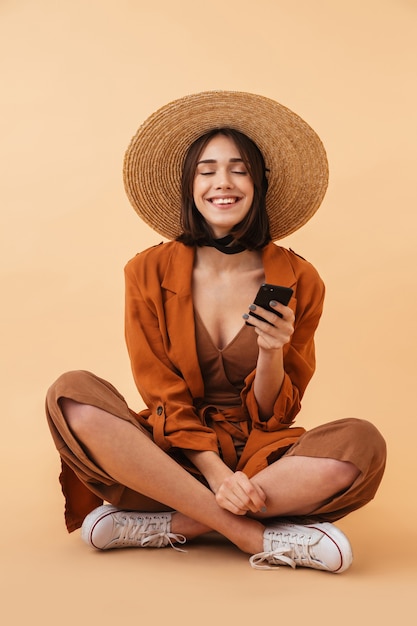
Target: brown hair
253 231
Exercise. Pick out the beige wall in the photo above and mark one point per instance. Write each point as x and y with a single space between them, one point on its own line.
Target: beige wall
77 78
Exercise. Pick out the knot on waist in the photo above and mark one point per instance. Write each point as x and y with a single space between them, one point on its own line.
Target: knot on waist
231 425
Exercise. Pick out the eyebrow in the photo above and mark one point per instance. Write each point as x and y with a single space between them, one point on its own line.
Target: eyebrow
234 160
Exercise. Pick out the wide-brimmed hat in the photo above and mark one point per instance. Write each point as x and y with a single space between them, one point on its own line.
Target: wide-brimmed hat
294 155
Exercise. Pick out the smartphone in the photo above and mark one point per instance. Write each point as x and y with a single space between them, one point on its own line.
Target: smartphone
267 293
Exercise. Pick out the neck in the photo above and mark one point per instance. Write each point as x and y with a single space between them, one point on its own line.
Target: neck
210 257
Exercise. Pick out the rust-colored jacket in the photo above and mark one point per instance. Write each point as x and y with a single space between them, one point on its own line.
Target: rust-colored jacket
161 342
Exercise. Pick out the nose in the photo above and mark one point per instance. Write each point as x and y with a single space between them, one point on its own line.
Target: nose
224 180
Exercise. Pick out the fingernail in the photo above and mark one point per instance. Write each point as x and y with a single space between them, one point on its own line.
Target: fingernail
273 303
263 509
245 316
252 307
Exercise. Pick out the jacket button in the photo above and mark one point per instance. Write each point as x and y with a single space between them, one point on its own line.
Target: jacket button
159 410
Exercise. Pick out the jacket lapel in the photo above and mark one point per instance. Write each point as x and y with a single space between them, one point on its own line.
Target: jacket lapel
179 312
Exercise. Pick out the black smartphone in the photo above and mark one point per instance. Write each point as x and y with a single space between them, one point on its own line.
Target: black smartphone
267 293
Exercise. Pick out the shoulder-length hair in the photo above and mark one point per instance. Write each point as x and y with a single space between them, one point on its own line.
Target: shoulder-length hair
253 231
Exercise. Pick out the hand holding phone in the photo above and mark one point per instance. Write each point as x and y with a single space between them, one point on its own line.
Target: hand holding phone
268 292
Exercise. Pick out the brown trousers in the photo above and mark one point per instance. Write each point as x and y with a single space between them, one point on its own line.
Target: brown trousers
85 485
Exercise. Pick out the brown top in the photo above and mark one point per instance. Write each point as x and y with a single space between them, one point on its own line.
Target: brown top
224 371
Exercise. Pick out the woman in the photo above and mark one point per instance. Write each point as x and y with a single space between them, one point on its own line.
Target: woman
222 175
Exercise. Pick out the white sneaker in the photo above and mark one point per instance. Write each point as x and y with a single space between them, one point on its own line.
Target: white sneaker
319 546
109 527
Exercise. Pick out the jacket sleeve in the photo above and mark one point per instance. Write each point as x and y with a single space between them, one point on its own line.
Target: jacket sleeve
171 413
299 355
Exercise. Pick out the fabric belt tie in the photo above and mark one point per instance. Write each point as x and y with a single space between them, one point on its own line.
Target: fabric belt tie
230 425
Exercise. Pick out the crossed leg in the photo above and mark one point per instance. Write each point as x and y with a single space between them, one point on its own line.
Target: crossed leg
294 485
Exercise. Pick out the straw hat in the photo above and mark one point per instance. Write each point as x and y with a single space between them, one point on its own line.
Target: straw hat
293 153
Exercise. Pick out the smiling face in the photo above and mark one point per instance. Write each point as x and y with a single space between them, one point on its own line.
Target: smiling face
223 189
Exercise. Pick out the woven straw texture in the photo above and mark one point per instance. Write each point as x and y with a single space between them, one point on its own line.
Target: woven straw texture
294 156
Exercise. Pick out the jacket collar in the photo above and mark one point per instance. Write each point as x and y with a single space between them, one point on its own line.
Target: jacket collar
277 266
178 274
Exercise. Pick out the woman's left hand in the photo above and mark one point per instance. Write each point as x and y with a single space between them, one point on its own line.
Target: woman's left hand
273 331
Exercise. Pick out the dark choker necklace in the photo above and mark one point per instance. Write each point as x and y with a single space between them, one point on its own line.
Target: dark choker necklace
222 245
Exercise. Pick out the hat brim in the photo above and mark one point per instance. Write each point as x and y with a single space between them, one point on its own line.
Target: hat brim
293 153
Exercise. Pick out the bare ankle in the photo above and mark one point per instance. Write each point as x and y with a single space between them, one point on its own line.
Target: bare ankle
251 540
186 526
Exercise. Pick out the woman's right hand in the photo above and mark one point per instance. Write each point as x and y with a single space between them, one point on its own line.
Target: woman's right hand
233 491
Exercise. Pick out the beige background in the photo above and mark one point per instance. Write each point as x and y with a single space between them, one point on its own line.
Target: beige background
77 78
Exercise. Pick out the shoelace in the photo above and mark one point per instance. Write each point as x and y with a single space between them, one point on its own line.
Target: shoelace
157 541
292 549
277 556
132 532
